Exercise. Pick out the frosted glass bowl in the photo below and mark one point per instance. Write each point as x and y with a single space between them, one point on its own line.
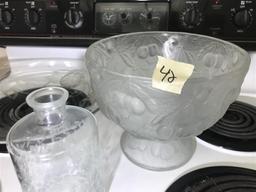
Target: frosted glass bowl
160 127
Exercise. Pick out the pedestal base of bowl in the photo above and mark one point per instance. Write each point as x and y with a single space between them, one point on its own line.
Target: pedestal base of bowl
158 155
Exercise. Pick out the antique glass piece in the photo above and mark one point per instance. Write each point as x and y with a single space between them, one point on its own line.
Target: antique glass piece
160 127
55 148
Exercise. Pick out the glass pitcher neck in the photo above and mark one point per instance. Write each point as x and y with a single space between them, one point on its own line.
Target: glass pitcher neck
50 117
49 105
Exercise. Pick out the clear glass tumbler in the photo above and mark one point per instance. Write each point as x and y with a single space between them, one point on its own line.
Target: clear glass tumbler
54 148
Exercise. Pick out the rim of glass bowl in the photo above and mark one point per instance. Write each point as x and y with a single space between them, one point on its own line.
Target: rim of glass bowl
245 53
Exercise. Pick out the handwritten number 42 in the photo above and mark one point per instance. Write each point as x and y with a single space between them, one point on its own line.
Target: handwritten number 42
167 74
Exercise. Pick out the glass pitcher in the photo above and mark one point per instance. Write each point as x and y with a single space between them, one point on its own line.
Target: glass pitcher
54 148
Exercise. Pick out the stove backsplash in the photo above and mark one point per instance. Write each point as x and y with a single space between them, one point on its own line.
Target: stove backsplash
82 22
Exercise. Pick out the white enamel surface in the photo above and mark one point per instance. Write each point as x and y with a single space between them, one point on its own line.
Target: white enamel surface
249 85
45 52
129 177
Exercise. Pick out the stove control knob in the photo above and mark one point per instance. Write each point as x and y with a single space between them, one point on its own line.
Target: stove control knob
150 20
32 17
125 18
109 18
146 16
242 18
6 17
191 17
74 18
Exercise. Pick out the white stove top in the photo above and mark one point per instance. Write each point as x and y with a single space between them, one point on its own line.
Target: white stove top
131 178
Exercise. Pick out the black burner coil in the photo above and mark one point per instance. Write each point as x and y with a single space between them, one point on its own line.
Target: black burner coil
236 130
216 179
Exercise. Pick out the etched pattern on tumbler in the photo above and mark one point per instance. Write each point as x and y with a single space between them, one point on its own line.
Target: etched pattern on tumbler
55 148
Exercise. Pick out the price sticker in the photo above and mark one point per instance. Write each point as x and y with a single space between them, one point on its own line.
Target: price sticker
170 75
